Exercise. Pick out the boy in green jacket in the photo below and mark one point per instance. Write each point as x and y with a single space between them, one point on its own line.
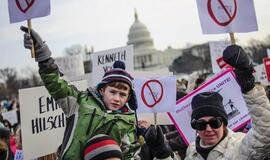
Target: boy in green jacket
106 109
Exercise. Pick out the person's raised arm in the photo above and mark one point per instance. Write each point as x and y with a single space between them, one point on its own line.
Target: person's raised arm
59 89
257 142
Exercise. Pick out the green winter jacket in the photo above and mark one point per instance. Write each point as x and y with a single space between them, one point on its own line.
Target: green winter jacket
87 116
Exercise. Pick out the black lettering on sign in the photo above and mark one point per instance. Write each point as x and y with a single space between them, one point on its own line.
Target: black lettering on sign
42 124
107 68
47 104
109 58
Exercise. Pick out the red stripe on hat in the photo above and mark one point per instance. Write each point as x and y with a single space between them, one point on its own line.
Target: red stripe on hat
98 144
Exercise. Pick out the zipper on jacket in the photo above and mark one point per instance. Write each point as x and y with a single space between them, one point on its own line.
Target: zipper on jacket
91 121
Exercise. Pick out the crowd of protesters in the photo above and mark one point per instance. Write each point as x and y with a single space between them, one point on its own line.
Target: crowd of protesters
122 136
10 134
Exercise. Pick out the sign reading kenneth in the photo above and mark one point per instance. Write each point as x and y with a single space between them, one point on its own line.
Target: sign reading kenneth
42 121
225 16
20 10
103 61
233 103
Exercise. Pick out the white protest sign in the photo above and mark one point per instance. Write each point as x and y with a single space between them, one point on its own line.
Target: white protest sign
233 102
161 118
103 61
216 52
18 155
152 94
71 66
260 74
20 10
268 52
11 116
225 16
42 121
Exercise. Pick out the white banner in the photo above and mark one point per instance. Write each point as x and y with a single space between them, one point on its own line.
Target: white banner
216 52
152 94
225 16
260 74
71 66
233 102
20 10
42 121
11 116
103 61
268 52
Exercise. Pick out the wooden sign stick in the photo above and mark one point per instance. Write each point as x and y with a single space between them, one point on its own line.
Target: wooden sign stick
29 25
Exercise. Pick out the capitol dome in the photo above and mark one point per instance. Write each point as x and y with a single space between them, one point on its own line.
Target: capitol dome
139 36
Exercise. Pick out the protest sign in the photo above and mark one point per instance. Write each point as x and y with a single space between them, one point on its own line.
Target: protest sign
152 94
268 52
11 116
161 118
71 66
233 102
227 16
266 62
18 155
42 121
216 52
260 74
103 61
20 10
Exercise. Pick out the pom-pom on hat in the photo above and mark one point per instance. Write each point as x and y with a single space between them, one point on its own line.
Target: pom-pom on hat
208 104
101 147
119 74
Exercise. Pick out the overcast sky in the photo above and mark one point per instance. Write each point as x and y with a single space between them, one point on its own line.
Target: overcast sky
105 24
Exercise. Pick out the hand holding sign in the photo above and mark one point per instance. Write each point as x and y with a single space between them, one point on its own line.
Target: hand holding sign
42 50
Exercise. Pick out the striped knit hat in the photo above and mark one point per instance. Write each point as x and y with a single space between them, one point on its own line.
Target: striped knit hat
119 74
101 147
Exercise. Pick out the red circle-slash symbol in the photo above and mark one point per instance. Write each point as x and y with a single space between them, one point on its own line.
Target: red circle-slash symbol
28 3
156 98
231 16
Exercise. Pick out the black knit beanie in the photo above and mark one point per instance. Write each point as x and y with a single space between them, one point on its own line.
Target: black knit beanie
208 104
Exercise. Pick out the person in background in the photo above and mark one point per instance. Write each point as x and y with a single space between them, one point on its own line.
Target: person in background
5 151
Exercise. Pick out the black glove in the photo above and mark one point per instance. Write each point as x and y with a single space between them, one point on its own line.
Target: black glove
154 139
235 56
41 49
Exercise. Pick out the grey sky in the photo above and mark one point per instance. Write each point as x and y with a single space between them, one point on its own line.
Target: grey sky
105 24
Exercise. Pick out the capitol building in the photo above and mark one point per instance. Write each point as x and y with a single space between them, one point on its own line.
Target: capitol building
146 57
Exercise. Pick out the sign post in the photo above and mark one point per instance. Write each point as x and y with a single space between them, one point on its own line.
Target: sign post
20 10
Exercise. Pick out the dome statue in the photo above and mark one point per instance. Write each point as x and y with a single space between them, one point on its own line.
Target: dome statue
140 37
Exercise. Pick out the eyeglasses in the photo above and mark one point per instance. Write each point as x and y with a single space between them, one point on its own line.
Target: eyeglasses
201 124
